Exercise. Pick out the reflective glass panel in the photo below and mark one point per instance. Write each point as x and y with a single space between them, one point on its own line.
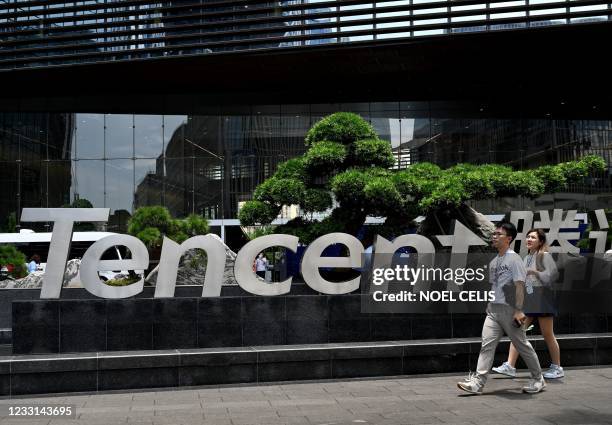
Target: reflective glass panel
148 136
89 136
119 141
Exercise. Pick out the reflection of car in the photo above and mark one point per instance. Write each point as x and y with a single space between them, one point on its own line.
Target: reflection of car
30 243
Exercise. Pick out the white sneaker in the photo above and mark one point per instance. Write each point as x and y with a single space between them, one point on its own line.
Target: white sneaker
554 372
505 369
471 384
535 386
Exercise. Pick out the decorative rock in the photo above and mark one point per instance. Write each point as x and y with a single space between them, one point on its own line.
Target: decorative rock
192 268
34 280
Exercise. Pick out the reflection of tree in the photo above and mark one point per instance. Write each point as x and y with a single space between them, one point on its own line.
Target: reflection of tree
81 226
118 221
10 226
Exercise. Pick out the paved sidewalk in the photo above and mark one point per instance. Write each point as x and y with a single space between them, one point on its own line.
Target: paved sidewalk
584 396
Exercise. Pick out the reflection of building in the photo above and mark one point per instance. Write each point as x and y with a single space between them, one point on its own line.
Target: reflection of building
35 156
311 19
518 143
198 174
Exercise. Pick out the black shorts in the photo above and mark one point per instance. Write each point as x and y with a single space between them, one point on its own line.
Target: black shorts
541 303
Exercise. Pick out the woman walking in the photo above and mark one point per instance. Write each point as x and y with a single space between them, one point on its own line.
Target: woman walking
539 303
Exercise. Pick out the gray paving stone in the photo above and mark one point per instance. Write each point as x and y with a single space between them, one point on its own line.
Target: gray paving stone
139 421
582 397
305 402
218 421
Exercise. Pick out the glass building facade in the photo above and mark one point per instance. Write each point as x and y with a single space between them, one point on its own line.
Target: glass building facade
210 164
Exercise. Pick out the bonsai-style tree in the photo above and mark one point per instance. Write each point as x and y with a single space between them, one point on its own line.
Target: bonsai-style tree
344 153
346 159
443 195
151 224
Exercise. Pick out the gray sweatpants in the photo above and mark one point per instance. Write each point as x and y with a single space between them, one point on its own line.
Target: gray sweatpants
498 322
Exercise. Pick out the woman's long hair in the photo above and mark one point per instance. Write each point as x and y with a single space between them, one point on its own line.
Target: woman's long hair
539 255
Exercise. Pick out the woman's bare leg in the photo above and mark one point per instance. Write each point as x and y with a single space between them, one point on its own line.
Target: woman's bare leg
546 327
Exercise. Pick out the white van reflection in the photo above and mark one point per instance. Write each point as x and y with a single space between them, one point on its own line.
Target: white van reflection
30 243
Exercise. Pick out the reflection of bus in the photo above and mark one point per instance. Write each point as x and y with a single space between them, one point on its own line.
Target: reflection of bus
30 243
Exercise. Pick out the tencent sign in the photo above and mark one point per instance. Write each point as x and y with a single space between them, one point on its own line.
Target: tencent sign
64 218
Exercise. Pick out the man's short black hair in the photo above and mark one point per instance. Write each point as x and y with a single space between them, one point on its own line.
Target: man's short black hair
509 228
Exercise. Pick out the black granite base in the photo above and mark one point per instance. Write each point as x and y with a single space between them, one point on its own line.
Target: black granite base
7 296
101 371
71 326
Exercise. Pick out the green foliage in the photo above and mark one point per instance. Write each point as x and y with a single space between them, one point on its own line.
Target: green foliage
552 176
124 281
425 170
280 191
382 196
81 203
256 212
418 180
324 157
594 164
524 183
194 225
150 225
299 227
477 184
153 216
373 153
448 192
10 225
586 242
347 186
309 230
557 177
330 224
261 231
81 226
11 255
198 259
150 236
316 200
292 169
576 170
341 127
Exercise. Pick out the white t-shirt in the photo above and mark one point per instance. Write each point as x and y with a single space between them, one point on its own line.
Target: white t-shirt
505 270
260 264
546 276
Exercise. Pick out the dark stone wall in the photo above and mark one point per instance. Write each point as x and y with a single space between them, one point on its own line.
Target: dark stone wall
205 366
7 296
72 326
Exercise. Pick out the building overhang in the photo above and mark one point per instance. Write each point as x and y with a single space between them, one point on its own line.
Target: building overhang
558 70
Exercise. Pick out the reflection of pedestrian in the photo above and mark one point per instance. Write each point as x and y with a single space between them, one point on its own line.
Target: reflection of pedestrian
261 265
539 303
506 270
33 265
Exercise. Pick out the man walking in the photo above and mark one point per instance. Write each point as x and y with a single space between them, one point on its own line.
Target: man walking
503 315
